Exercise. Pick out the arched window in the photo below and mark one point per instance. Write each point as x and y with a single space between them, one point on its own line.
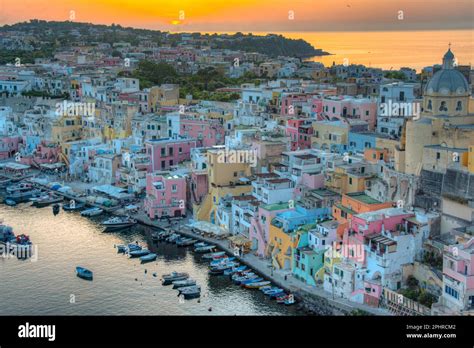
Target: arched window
443 107
459 105
430 105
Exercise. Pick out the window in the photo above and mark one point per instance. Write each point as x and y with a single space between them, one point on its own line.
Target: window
443 107
174 188
438 155
350 181
163 151
430 105
459 105
451 292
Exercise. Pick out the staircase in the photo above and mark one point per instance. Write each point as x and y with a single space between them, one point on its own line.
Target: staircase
202 211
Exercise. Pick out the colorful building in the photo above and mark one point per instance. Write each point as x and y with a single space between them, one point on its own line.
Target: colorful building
165 195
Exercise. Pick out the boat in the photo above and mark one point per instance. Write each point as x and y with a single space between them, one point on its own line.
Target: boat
272 291
92 212
121 248
22 196
56 209
221 261
214 255
203 249
181 240
234 270
183 283
138 253
257 285
221 268
173 276
84 273
10 202
4 183
119 222
172 238
282 299
251 280
133 247
74 206
6 234
187 242
200 244
148 258
21 187
190 291
47 200
239 280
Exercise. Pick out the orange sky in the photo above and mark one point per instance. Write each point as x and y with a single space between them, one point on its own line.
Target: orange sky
250 15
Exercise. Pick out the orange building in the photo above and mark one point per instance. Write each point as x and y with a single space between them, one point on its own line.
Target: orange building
353 204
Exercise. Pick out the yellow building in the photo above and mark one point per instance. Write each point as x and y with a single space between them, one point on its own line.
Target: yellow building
471 159
445 120
281 245
344 179
328 134
224 176
66 128
164 95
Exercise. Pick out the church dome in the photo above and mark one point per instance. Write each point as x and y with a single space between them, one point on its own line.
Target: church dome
448 80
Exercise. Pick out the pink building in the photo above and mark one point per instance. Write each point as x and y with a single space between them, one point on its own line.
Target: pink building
370 223
46 152
291 104
165 195
9 147
167 152
458 280
339 108
259 233
300 132
208 132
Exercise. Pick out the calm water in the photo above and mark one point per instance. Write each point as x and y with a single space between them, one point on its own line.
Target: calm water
64 241
389 49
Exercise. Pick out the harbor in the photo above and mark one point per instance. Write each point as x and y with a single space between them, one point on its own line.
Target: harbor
309 300
121 285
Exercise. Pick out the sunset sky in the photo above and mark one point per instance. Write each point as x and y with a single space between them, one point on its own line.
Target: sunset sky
250 15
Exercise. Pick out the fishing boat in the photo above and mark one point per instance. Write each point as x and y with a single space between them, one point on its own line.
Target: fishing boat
222 261
119 222
203 249
56 209
251 280
4 183
187 242
200 244
44 201
148 258
73 206
22 196
133 247
216 255
221 268
84 273
92 212
121 248
138 253
257 285
234 270
282 299
21 187
173 276
277 295
269 291
10 202
190 291
239 280
183 283
173 238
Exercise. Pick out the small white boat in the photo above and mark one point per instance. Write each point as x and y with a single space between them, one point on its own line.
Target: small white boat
119 222
92 212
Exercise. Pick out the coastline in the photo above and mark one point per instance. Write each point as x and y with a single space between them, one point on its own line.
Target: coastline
313 300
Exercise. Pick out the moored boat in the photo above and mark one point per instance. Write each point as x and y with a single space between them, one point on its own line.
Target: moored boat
173 276
138 253
121 248
148 258
221 261
47 200
203 249
10 202
84 273
234 270
190 291
218 254
73 206
183 283
21 187
119 222
257 285
92 212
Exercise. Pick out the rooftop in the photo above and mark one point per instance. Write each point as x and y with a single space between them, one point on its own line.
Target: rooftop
362 197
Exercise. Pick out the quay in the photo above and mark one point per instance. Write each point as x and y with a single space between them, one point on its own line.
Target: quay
314 299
